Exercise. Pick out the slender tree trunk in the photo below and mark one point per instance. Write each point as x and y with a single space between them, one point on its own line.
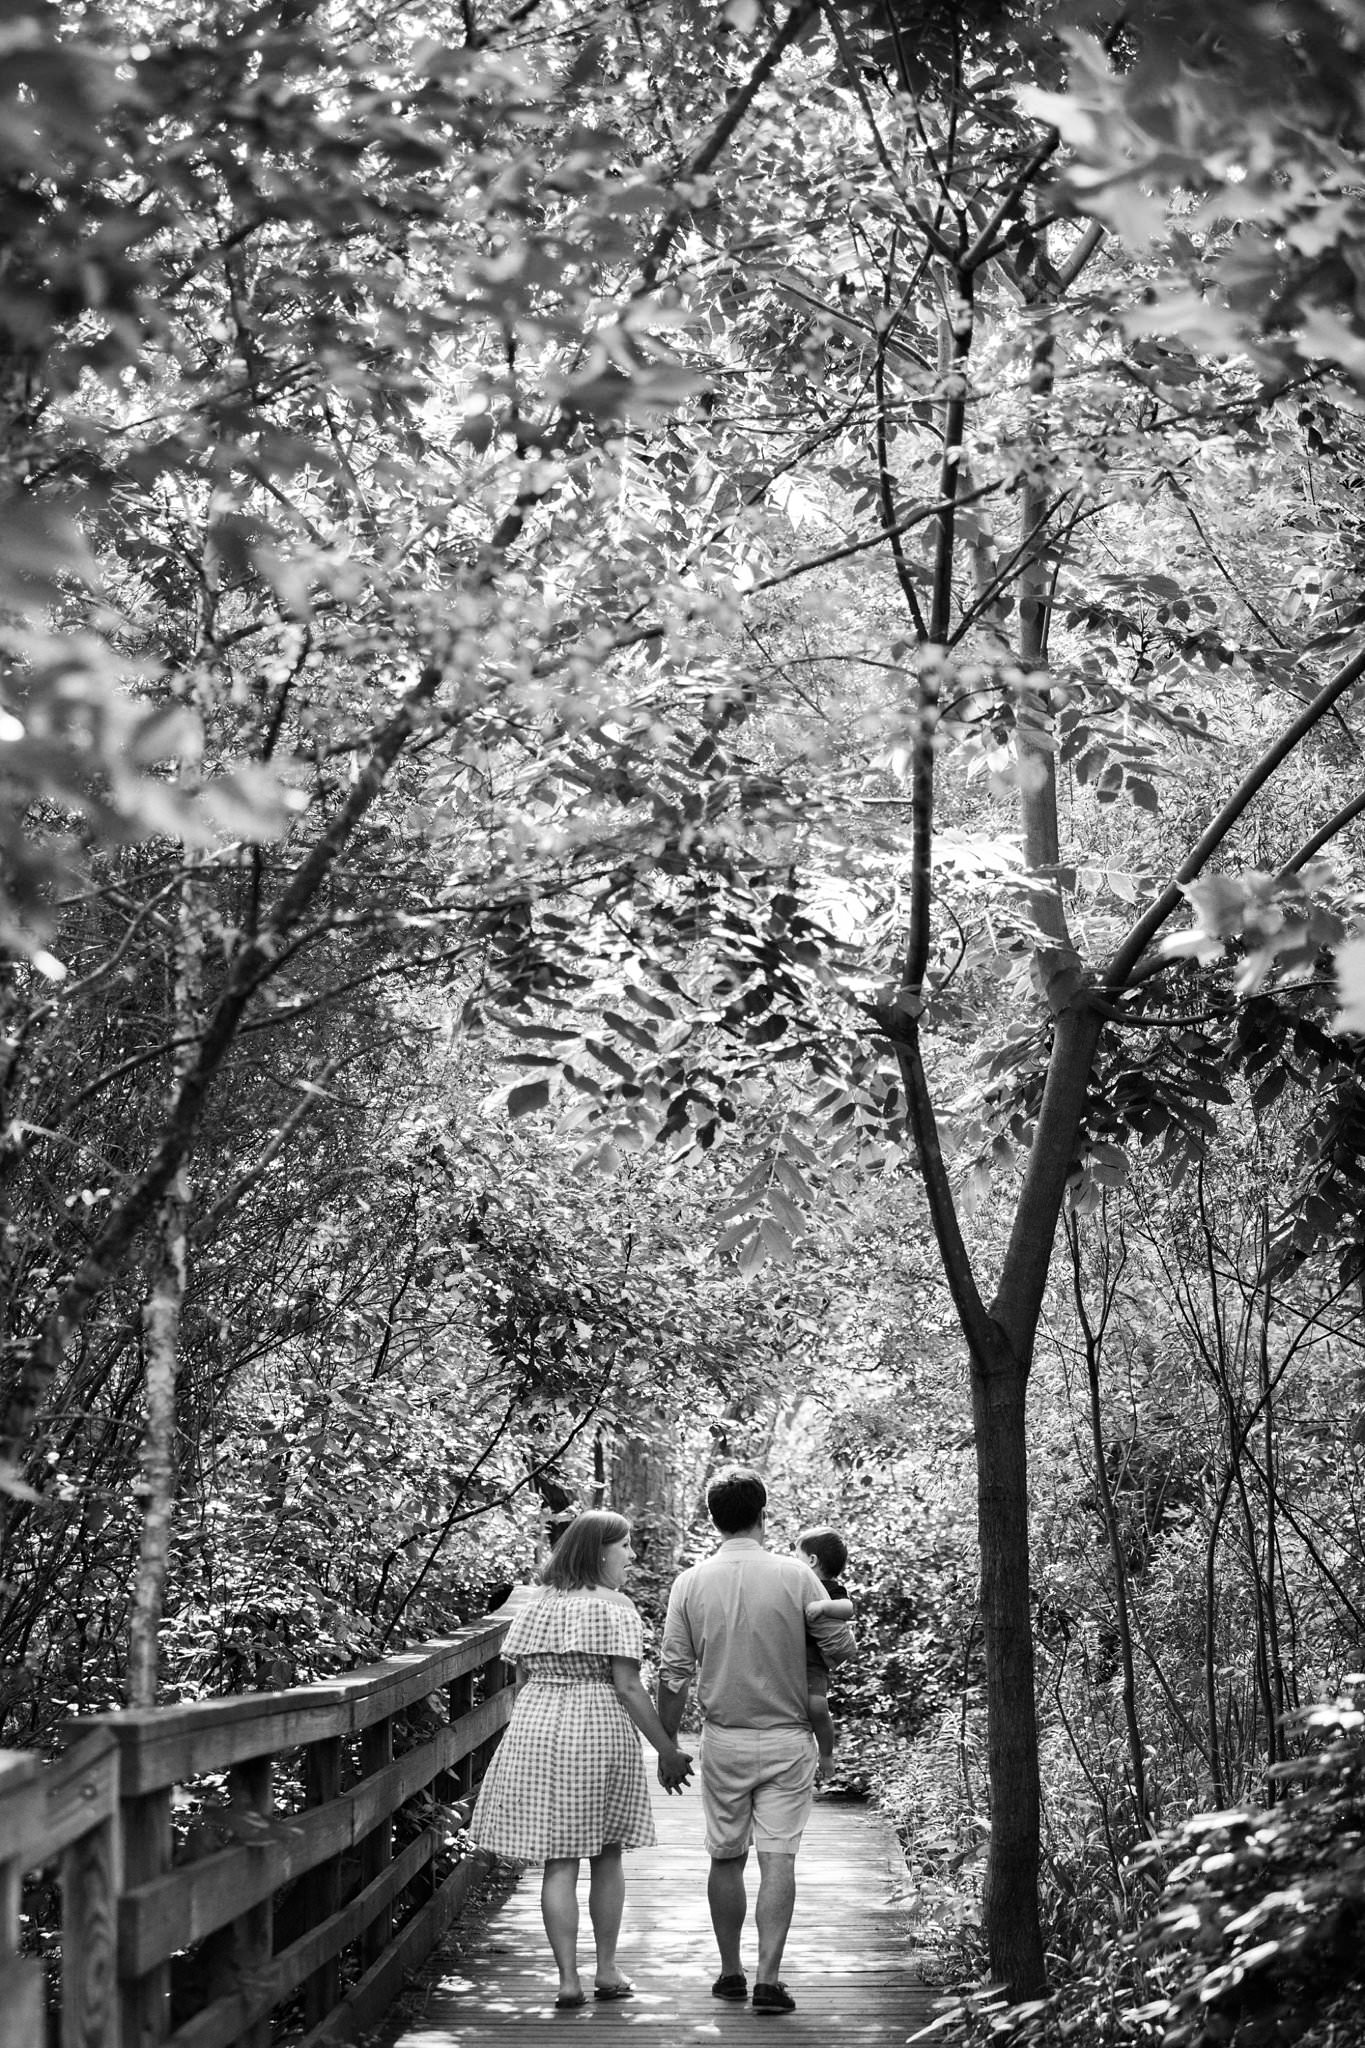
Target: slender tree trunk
161 1336
1122 1616
161 1333
1217 1768
999 1341
1279 1702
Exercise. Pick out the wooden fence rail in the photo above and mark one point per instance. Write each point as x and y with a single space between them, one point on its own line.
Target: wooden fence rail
250 1870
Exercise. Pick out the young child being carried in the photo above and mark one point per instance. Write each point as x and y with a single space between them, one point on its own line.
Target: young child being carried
826 1553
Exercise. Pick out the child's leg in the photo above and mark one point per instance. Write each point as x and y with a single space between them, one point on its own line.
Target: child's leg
817 1706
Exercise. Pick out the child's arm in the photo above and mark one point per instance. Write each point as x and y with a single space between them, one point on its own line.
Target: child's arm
829 1610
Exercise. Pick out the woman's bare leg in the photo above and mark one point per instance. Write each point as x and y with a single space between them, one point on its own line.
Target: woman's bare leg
606 1902
559 1907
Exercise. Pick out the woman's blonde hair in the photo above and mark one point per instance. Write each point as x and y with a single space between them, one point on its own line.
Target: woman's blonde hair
576 1560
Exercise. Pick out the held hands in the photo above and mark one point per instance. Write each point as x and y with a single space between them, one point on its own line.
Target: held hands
675 1769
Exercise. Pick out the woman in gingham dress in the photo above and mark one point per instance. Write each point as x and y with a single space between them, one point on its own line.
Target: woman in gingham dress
568 1780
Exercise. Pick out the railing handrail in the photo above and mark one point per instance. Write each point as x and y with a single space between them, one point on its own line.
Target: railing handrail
164 1745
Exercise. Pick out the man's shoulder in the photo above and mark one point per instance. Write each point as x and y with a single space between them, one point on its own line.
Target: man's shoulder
773 1570
684 1579
750 1559
781 1565
693 1577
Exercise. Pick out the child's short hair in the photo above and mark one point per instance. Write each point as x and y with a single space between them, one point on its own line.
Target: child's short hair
827 1547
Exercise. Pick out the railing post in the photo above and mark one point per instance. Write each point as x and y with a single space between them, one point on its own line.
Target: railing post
376 1752
90 2002
459 1700
21 1979
251 1793
145 2002
236 1955
495 1674
321 1892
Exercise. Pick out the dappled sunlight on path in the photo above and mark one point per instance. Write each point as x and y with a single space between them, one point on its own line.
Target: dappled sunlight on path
848 1963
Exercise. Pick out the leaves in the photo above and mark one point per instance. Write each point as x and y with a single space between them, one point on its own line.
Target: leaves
1350 986
528 1097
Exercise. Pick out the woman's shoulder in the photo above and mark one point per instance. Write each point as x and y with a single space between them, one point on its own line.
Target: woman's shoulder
564 1596
581 1618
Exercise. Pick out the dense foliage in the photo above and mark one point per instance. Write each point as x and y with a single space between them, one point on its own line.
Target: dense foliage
679 739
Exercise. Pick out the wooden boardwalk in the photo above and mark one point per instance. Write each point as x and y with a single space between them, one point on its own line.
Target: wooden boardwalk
848 1962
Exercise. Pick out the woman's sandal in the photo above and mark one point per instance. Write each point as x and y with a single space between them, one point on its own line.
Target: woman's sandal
605 1994
567 2001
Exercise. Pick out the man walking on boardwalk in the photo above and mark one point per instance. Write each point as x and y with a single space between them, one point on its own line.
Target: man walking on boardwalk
737 1623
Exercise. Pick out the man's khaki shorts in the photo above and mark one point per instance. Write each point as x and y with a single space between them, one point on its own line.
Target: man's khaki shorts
756 1784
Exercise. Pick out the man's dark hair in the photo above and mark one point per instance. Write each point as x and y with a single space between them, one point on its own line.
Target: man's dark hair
827 1547
735 1499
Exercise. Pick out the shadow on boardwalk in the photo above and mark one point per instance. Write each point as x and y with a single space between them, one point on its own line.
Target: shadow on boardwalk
848 1962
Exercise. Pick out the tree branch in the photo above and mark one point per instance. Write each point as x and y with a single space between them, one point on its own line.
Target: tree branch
702 159
1116 975
1336 823
903 1034
252 965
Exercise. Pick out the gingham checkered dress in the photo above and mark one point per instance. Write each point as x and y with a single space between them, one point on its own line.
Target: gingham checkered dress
568 1777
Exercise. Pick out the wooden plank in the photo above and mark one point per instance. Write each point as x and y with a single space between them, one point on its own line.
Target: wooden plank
433 1670
252 1934
17 1767
367 2002
81 1790
164 1746
23 1813
157 1754
158 1919
320 1893
849 1963
11 1892
145 1994
229 2018
459 1703
376 1850
22 2021
321 1943
90 1866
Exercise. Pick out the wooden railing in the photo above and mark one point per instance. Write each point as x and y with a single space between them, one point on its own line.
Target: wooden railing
247 1870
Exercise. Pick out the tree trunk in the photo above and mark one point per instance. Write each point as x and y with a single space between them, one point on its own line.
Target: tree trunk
1123 1620
643 1482
999 1384
161 1332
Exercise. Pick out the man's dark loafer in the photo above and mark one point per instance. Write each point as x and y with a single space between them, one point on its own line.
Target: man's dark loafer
773 1998
735 1986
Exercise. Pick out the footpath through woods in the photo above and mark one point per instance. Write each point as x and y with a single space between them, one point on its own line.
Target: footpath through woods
849 1962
